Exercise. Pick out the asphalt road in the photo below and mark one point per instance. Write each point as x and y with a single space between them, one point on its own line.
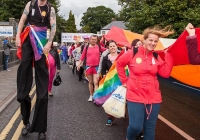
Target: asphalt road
71 117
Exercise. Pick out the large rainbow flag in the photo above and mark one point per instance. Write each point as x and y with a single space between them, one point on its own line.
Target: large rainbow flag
108 84
182 70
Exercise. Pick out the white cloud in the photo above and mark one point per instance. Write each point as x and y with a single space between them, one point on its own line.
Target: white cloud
78 7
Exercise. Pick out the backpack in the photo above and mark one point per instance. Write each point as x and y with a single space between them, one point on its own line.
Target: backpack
135 50
30 10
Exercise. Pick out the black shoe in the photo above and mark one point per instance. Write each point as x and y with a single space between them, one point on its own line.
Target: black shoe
41 136
25 130
79 79
50 95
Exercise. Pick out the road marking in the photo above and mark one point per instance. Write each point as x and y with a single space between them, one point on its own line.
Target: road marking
178 130
8 127
186 86
19 128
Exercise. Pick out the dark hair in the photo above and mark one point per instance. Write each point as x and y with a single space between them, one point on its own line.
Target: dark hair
94 36
134 42
110 41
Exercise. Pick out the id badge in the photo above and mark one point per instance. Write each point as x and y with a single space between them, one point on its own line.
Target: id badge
33 12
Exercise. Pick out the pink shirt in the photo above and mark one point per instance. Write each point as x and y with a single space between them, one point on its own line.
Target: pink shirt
92 56
112 58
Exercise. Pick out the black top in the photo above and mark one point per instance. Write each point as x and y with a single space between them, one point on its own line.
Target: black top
106 64
36 17
56 57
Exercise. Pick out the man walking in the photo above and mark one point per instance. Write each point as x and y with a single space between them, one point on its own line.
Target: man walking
92 54
64 53
40 15
6 47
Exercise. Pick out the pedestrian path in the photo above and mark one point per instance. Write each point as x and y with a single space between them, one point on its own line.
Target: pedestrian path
8 84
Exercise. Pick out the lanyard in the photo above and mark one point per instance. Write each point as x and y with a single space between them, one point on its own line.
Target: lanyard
43 13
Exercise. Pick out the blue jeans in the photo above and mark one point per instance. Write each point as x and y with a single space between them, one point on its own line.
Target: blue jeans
6 58
138 120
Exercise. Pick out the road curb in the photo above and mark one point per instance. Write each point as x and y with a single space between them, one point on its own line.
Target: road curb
8 100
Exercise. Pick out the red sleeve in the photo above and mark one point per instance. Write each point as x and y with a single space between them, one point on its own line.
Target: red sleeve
192 46
122 61
164 70
103 49
83 54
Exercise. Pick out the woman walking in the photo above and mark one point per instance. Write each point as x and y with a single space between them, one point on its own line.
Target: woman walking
54 62
143 94
105 66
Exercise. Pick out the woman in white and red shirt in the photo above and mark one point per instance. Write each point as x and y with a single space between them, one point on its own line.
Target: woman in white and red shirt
143 93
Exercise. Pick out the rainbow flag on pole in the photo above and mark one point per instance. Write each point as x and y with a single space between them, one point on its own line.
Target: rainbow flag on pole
108 84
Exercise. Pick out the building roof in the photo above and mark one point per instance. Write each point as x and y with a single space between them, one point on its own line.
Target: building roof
120 24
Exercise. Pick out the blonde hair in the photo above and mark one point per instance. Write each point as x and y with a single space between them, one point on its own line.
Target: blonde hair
157 30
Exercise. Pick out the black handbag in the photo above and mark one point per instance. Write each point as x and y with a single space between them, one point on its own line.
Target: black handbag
57 81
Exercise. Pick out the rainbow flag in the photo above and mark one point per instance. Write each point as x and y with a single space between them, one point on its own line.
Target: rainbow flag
37 48
108 84
42 36
59 52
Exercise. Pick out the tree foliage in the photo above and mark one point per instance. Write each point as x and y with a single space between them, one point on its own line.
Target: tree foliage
70 24
15 8
97 17
86 29
140 14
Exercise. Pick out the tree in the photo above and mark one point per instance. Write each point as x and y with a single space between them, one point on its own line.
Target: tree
86 29
70 24
61 27
97 17
140 14
14 8
11 8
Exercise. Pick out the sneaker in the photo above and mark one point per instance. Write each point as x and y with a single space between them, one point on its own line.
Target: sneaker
25 129
140 136
86 79
41 136
8 70
109 122
90 99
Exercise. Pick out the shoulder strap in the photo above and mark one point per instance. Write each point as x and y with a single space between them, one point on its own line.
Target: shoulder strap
99 49
86 50
135 50
155 55
31 7
30 10
49 14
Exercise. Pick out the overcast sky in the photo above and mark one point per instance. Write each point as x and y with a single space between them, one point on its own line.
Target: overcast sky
78 7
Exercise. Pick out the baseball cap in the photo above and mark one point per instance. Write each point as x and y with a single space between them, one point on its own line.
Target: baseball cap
86 37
